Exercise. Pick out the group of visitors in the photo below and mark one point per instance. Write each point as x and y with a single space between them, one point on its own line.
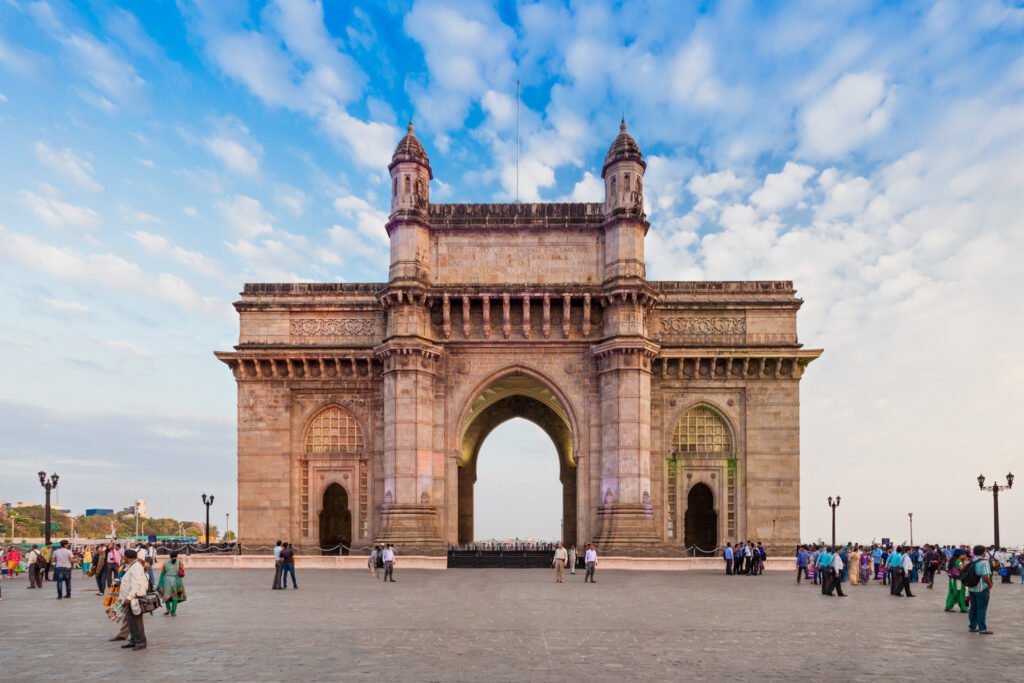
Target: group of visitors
123 575
969 570
746 559
284 566
567 557
382 557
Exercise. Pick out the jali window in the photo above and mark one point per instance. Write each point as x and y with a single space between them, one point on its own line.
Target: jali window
701 430
333 430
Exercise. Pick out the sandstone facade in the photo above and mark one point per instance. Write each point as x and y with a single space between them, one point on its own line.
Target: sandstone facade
673 406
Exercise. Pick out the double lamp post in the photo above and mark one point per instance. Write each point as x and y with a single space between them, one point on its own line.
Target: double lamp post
995 489
49 485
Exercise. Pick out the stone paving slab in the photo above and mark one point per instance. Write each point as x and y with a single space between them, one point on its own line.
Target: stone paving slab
512 625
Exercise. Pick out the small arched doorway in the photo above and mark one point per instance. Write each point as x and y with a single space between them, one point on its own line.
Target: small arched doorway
335 522
701 523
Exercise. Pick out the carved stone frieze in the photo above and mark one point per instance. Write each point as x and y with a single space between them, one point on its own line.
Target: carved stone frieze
332 327
697 326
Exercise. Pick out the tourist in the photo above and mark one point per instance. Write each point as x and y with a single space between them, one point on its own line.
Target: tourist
371 561
737 564
114 557
895 566
277 566
572 560
824 570
388 556
288 566
762 555
47 554
13 559
908 569
982 569
61 560
558 562
865 568
33 561
932 564
149 560
172 584
838 565
853 565
99 569
957 593
590 559
803 558
134 585
86 561
727 554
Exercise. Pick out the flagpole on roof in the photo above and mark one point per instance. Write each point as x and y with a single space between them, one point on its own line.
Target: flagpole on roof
517 140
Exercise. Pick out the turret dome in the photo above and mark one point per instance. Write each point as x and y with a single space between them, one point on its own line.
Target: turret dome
623 148
410 149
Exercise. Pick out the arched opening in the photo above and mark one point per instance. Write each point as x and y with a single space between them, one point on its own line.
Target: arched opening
518 395
517 493
701 524
335 522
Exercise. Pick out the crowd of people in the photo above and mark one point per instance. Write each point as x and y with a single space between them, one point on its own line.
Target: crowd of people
746 559
124 578
969 572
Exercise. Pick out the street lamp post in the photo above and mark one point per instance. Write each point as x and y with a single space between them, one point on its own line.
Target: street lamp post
910 516
49 485
227 525
834 506
995 489
207 501
12 525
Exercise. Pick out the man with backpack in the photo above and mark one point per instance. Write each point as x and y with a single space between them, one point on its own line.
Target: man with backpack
977 577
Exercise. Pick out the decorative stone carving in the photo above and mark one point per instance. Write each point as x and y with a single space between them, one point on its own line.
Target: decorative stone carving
332 327
703 326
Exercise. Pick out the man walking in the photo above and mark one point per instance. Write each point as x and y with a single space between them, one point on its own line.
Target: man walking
590 558
277 567
980 593
33 561
62 569
389 563
561 556
134 585
837 574
802 560
907 566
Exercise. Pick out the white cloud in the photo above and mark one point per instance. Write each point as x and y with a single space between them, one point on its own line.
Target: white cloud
365 218
235 156
783 190
856 108
66 307
291 199
158 245
68 164
106 270
589 188
125 349
246 215
98 64
58 214
715 184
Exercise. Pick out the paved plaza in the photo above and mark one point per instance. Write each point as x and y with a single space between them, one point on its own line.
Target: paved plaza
512 625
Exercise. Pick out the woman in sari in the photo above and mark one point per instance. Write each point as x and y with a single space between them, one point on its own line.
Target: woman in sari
865 568
854 567
957 591
13 561
172 584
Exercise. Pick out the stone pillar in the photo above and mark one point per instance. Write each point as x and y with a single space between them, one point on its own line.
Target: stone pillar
625 514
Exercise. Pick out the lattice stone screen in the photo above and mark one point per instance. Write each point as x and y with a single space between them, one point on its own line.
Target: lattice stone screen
333 431
701 430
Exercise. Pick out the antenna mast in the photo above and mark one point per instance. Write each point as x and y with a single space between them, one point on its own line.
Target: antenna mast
517 141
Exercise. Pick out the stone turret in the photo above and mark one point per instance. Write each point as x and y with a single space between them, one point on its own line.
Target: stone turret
625 221
408 226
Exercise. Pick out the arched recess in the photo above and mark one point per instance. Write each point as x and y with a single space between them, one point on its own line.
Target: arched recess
335 522
516 392
702 451
333 448
701 522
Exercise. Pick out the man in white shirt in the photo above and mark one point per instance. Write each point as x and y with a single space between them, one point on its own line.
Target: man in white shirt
590 559
907 565
837 573
35 576
389 563
277 567
134 585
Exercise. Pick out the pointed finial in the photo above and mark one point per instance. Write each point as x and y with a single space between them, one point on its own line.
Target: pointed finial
410 128
622 124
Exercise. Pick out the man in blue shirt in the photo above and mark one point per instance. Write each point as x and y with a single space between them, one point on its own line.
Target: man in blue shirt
803 558
823 568
894 565
728 559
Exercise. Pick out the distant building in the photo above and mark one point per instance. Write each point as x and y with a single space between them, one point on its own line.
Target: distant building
98 512
139 507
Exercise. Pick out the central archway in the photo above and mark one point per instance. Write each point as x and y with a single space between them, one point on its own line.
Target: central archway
701 523
517 394
335 522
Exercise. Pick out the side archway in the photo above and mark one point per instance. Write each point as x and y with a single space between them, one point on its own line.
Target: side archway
701 522
335 521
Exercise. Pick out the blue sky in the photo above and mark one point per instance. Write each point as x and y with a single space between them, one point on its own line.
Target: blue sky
154 156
